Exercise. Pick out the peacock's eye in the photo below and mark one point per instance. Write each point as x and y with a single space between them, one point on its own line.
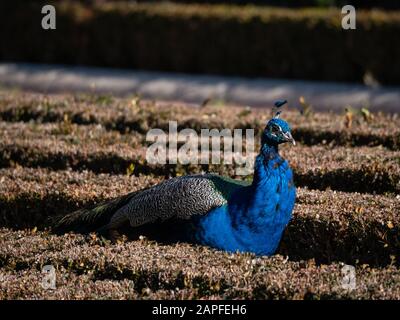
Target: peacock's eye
275 129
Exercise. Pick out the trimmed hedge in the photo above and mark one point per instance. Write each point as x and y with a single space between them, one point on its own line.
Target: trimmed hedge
217 39
319 167
88 268
327 225
119 114
328 228
389 4
386 4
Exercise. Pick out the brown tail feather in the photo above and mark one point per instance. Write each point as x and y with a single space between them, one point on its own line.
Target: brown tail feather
90 219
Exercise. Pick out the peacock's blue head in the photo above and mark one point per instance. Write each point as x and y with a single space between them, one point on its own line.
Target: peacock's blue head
277 130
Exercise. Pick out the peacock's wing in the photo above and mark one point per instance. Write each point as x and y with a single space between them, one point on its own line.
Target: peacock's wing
181 197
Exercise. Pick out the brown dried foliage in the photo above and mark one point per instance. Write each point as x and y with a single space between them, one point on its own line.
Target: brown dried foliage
60 153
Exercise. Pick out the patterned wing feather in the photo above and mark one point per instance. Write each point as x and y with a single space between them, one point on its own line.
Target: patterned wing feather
181 197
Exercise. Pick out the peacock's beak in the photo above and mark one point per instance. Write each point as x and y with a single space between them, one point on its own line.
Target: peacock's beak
289 138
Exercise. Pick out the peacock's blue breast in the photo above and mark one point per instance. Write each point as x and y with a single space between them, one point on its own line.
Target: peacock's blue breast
255 216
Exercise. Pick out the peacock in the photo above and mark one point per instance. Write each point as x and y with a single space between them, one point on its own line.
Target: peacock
206 209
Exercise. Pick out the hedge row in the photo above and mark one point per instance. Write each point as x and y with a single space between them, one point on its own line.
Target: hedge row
371 170
389 4
386 4
88 268
326 226
217 39
130 115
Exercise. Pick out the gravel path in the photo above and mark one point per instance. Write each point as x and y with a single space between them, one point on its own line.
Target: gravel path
196 88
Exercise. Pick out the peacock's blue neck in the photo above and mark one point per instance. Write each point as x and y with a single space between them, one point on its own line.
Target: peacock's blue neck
262 197
266 162
256 215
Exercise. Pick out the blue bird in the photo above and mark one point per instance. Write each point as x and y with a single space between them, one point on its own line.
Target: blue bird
207 209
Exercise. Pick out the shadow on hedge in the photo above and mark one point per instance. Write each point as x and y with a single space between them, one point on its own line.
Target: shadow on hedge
306 237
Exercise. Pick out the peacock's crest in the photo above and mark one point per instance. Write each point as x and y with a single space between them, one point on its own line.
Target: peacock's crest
277 107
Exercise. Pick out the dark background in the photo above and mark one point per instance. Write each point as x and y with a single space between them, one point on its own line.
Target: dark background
248 41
